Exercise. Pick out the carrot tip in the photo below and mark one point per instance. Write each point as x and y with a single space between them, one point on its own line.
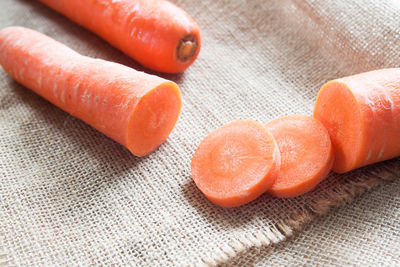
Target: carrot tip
187 47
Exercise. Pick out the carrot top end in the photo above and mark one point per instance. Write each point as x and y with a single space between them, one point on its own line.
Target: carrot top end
187 48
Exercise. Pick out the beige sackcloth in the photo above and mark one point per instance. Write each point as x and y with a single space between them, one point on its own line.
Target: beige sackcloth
69 196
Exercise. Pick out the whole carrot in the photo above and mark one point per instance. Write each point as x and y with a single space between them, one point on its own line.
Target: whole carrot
362 115
135 109
156 33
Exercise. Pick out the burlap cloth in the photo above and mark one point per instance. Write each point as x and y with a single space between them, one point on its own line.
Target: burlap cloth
70 196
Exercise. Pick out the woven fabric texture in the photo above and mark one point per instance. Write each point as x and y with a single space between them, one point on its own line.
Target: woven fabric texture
70 196
365 233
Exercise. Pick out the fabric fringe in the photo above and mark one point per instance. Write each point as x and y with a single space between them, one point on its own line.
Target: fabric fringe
3 257
295 222
4 260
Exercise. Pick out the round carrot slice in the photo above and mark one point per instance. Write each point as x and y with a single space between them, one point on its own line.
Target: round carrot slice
236 163
306 154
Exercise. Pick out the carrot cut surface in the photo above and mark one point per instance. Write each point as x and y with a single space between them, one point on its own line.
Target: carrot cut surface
135 109
236 163
156 33
362 115
306 154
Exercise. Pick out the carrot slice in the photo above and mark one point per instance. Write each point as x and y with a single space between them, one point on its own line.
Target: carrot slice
306 154
135 109
236 163
362 115
156 33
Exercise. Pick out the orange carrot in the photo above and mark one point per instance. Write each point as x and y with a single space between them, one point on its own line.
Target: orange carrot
306 154
137 110
236 163
362 115
156 33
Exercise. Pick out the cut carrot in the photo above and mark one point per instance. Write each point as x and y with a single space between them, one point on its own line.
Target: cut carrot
362 115
135 109
236 163
156 33
306 154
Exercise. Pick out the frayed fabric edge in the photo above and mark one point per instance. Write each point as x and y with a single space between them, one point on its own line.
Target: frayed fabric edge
295 222
3 257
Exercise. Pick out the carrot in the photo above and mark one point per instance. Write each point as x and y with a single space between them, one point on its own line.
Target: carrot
236 163
156 33
306 154
135 109
362 115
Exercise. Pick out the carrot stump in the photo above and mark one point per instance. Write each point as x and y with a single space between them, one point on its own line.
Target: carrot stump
187 48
